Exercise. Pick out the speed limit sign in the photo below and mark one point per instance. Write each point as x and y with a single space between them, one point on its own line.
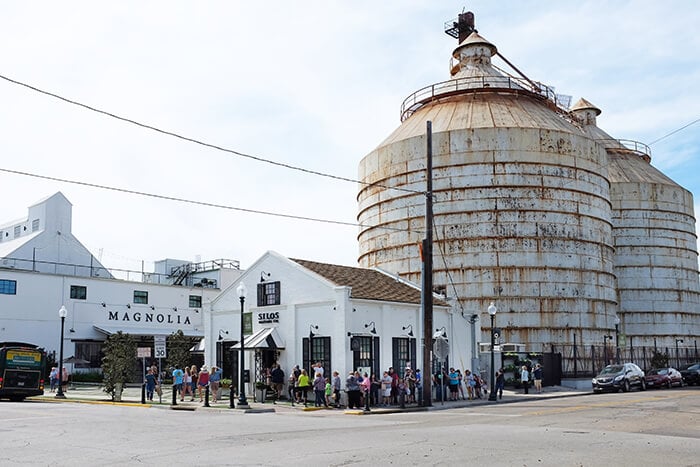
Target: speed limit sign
159 344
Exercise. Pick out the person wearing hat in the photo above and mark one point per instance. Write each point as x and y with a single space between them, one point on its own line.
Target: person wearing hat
202 381
214 379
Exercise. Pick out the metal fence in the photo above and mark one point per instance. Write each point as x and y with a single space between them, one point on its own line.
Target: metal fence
587 360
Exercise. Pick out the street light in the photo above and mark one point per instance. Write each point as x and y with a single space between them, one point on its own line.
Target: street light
311 348
617 339
242 402
678 360
62 313
492 312
605 347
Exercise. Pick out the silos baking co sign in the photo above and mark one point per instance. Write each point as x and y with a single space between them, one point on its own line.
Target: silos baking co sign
269 317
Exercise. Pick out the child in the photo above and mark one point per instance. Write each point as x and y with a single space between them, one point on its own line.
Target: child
329 391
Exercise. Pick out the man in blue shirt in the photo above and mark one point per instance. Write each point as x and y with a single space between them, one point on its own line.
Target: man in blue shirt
178 375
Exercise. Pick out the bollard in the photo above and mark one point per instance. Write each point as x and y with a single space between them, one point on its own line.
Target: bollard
367 401
174 394
402 399
143 393
231 404
206 396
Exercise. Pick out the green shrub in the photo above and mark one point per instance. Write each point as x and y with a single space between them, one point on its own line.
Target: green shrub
92 376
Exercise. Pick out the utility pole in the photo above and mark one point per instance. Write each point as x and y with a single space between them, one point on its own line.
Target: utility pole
427 276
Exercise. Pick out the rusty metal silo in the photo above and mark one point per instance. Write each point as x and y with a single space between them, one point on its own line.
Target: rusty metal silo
522 204
656 258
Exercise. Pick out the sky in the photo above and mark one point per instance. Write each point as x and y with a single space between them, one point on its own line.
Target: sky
315 84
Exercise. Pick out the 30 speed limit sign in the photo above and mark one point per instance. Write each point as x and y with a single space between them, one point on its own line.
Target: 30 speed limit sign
159 344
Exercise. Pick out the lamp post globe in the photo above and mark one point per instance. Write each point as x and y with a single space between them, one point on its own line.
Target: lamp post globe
492 312
62 313
242 401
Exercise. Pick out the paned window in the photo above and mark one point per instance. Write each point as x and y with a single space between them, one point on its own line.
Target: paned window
8 287
141 297
320 352
365 353
195 301
403 354
269 293
78 292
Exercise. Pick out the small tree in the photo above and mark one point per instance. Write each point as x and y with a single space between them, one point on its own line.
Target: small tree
659 360
178 349
120 352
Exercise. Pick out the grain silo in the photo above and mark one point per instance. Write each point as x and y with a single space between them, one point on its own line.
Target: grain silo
656 258
522 212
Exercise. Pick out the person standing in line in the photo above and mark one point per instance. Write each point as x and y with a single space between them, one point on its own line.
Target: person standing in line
419 386
304 386
319 390
460 379
335 383
386 388
352 387
178 376
366 389
471 383
537 376
500 382
150 384
328 392
277 380
525 378
202 382
291 387
214 380
454 384
410 380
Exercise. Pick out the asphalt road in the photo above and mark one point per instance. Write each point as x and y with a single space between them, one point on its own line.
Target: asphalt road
659 427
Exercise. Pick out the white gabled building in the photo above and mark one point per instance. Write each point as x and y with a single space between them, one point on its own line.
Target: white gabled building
298 312
43 267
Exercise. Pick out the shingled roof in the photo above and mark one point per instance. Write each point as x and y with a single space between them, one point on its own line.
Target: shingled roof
368 284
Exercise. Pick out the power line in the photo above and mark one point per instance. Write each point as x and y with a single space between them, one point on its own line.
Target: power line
202 143
198 203
675 131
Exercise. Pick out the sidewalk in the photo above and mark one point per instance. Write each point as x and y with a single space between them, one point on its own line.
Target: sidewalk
93 394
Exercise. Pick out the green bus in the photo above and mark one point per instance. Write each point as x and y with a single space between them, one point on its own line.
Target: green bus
22 370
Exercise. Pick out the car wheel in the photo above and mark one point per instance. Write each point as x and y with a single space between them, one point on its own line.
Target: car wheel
626 386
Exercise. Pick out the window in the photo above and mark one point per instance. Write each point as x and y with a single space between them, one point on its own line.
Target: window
367 354
320 352
195 301
35 225
8 287
403 354
89 351
269 293
141 297
78 292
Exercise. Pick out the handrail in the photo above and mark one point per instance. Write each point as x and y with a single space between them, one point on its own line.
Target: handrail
631 145
470 84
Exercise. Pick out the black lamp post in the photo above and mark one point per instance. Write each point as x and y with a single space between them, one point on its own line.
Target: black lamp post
605 347
311 348
492 312
62 313
678 359
242 402
410 337
617 339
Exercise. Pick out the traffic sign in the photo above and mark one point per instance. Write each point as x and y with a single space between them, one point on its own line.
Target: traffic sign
143 352
441 348
159 345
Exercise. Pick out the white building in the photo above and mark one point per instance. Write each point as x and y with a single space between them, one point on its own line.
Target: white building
298 312
43 267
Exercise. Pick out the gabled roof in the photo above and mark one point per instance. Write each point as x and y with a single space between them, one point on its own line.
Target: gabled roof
368 284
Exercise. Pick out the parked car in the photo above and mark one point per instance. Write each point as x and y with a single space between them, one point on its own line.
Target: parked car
663 378
619 378
691 374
